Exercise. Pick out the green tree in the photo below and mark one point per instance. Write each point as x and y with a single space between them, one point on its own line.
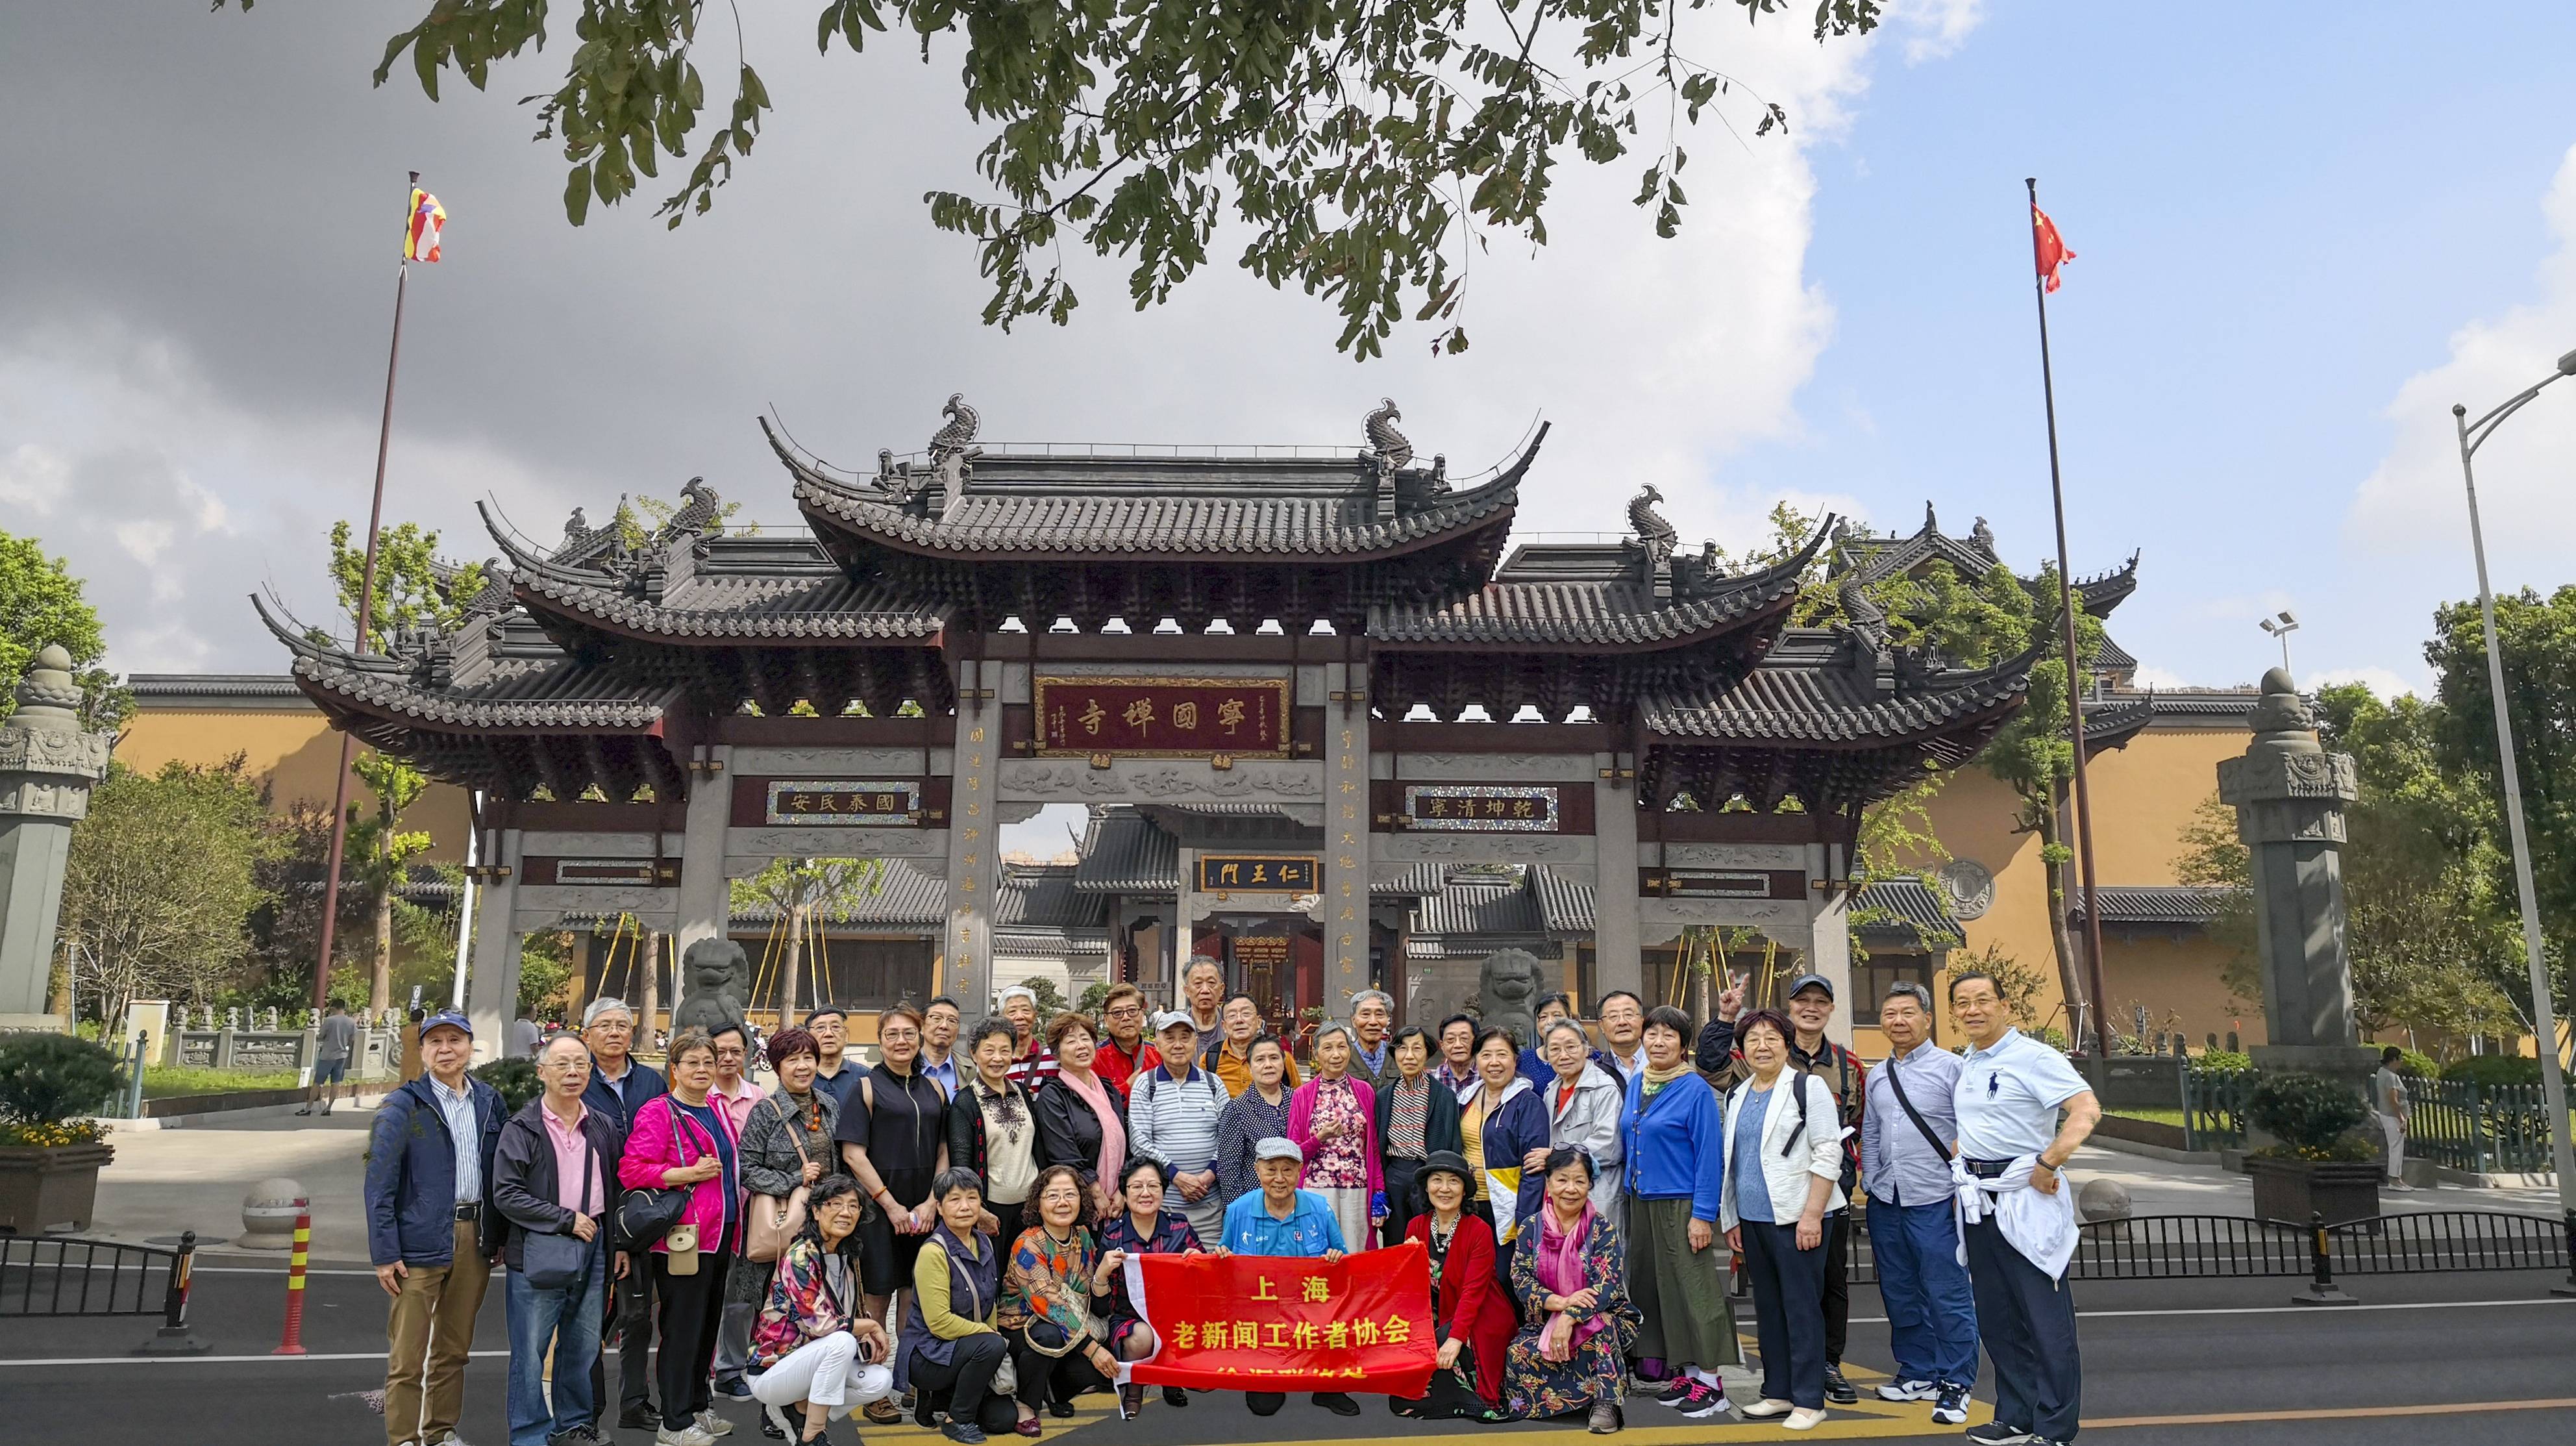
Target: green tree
379 854
160 885
40 606
545 968
2538 636
412 589
804 893
1367 151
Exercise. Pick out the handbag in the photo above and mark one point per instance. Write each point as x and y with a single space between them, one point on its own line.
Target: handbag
561 1260
646 1213
774 1221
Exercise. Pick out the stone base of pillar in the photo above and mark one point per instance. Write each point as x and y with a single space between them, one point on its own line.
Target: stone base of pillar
35 1024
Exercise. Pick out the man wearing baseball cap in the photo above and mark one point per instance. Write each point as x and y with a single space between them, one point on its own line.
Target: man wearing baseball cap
432 1232
1284 1220
1172 1114
1810 1008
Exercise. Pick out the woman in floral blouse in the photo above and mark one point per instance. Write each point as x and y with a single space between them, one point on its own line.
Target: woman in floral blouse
1053 1286
811 1340
1567 1270
1333 1118
1142 1228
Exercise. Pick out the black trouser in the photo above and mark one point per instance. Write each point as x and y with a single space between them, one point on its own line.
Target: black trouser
1045 1378
692 1309
1788 1321
2027 1322
1402 1176
966 1382
630 1310
1837 1285
1267 1403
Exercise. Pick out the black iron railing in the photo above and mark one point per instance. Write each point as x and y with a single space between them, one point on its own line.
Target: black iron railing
46 1275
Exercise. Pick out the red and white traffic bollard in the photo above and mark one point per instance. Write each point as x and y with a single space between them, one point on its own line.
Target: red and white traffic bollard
293 1345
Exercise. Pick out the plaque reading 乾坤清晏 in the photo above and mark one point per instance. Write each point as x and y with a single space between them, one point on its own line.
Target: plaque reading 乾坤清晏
1162 717
1482 807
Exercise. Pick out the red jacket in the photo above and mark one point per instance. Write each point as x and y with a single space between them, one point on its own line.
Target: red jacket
663 1139
1471 1299
1117 1066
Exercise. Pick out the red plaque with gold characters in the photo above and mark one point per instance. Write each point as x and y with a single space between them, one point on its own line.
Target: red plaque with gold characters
1161 717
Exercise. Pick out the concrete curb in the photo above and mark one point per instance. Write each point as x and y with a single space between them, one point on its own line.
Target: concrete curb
2154 1152
209 1118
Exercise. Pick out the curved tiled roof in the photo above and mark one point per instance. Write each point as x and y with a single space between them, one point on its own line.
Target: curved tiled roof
2179 905
1814 696
1124 853
1154 507
556 692
1905 910
902 894
1590 612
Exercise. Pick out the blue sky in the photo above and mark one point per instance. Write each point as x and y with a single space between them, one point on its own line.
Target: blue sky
2303 231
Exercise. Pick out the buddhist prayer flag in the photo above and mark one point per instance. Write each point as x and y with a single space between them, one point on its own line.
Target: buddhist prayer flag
2047 246
1279 1323
420 237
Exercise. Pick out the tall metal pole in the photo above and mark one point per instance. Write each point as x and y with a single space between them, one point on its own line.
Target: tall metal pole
2544 1013
366 613
2074 688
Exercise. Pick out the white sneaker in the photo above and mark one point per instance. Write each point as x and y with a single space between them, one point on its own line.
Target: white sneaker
1908 1391
689 1436
714 1425
1803 1419
1766 1408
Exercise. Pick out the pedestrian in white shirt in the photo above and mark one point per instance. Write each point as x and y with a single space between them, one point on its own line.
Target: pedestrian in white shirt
2009 1098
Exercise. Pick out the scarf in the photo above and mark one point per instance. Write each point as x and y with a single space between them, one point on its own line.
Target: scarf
1655 1079
1113 1135
1560 1270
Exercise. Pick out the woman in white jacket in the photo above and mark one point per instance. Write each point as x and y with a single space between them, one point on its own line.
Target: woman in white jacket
1783 1168
1583 1104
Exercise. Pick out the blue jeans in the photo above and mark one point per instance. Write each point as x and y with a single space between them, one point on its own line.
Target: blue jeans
568 1319
1931 1311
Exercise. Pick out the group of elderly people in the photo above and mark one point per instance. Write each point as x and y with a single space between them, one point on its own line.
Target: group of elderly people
1571 1200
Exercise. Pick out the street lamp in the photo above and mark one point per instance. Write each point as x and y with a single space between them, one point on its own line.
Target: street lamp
2544 1017
2281 625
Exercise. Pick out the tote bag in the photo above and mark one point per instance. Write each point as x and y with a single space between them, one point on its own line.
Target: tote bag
774 1221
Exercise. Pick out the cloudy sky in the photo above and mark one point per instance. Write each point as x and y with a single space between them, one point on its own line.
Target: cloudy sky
2300 240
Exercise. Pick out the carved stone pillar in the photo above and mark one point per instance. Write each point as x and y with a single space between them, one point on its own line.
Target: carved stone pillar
492 984
706 896
974 843
1829 944
1614 890
47 767
2289 795
1344 910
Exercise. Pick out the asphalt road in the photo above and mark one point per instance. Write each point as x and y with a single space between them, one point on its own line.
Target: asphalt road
2424 1359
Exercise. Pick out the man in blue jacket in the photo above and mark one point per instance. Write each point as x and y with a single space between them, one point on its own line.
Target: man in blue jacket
432 1232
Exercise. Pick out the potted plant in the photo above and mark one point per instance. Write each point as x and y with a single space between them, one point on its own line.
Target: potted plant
2318 1164
50 1151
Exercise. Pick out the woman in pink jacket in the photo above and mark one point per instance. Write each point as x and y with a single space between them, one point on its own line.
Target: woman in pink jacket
1332 1117
686 1139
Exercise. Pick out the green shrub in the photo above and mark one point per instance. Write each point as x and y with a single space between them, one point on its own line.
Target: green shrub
516 1079
46 1079
2493 1069
2415 1064
2309 1114
2223 1061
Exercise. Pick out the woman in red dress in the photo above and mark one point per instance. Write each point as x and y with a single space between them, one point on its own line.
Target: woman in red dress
1473 1319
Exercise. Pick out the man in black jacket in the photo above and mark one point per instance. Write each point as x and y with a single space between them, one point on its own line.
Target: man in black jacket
554 1175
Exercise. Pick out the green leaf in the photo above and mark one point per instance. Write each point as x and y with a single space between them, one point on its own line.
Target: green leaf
577 194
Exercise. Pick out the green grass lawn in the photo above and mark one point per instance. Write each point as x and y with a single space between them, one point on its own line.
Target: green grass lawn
165 1081
2157 1116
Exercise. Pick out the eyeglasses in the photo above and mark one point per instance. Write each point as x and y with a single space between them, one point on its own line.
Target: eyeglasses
1125 1011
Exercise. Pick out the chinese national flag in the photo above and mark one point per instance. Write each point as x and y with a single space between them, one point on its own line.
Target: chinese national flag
2047 247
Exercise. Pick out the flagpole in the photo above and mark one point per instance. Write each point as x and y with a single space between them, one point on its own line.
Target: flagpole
366 615
2074 689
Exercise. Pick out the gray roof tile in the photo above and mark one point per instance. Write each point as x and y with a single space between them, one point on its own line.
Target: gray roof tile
2188 905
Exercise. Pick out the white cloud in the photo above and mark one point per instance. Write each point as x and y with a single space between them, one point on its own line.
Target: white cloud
2411 503
2151 676
33 477
1935 29
2385 683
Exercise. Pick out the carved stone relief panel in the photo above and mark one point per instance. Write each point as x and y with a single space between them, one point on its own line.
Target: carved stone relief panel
596 845
1482 848
762 762
1735 856
1488 767
541 907
825 842
1762 912
1179 780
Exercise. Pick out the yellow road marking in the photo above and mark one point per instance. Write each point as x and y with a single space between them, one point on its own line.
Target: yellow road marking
2332 1413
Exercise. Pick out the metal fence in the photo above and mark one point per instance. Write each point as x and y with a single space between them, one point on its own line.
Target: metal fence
2213 1108
2238 1247
2484 1128
46 1275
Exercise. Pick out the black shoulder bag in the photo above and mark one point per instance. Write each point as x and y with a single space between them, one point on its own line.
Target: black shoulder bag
647 1213
1897 1083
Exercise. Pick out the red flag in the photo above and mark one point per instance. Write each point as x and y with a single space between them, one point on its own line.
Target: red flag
2047 247
1268 1323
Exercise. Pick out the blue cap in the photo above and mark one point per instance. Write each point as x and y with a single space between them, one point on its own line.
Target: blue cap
447 1017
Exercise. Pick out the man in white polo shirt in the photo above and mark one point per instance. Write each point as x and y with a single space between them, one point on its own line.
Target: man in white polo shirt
2011 1089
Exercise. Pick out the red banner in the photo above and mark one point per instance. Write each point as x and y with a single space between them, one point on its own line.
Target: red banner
1162 717
1277 1323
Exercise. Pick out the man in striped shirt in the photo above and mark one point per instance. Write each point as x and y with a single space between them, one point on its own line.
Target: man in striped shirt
1172 1115
1033 1064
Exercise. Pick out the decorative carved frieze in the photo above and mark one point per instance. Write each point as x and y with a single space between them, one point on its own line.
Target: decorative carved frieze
1533 767
833 842
1761 912
1480 848
34 750
1175 782
760 761
1735 856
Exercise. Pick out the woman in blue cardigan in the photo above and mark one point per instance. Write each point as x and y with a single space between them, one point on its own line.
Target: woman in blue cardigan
1674 1136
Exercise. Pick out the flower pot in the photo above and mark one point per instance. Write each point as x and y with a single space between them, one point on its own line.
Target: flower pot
2297 1191
50 1187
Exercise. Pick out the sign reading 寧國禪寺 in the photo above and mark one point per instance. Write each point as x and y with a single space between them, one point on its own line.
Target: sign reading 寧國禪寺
1161 717
1274 1323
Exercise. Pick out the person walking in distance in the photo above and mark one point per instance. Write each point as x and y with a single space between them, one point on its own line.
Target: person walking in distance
432 1233
2013 1149
1809 1009
553 1177
619 1088
1908 1134
333 1040
2388 1098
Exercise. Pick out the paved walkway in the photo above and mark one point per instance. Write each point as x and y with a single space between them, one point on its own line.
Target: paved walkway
2159 1187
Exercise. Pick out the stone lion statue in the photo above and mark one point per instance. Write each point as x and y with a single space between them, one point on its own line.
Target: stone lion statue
1507 994
715 985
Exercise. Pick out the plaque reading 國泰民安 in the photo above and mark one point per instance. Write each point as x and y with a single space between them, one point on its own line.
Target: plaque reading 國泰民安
1161 717
847 802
